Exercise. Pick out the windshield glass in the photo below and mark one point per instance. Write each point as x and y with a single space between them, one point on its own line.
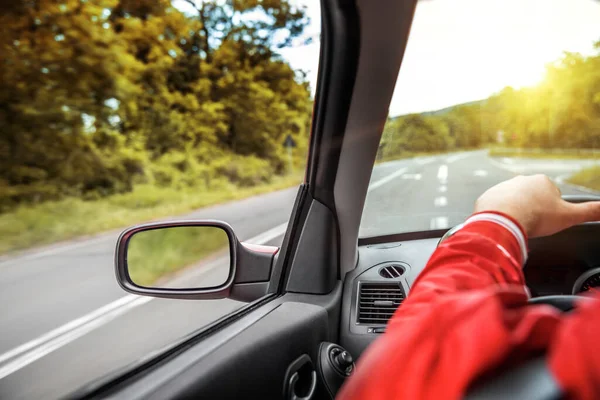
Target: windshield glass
487 90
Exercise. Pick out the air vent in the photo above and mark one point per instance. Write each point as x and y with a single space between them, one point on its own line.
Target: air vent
391 271
378 301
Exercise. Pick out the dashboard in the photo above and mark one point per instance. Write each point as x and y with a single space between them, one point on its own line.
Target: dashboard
562 264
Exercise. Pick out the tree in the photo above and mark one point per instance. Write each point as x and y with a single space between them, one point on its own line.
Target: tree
98 95
258 26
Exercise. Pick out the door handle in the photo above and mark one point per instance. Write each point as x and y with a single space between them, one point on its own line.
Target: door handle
300 381
311 390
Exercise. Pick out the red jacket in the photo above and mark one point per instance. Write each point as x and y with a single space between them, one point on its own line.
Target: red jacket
466 316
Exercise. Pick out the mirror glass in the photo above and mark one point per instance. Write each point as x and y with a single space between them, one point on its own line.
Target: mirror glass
180 257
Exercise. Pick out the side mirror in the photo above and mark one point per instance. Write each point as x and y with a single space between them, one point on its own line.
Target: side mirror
191 260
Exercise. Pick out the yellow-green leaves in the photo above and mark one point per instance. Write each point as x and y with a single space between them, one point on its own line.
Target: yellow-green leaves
97 96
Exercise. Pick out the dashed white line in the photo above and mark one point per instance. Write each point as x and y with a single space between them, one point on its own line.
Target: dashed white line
480 172
441 201
438 223
443 189
507 160
416 177
443 173
456 157
386 179
423 161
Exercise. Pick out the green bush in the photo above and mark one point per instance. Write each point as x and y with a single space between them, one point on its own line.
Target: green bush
245 171
588 177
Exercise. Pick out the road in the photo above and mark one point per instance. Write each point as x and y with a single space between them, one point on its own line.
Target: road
65 321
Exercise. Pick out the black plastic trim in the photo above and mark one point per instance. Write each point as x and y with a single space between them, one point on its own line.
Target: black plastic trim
291 238
259 345
316 256
254 266
531 381
402 237
248 292
340 47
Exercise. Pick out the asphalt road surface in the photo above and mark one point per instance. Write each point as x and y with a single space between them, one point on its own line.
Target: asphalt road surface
65 321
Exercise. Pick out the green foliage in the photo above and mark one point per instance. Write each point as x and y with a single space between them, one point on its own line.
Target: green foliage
588 177
38 224
545 153
561 112
459 128
99 96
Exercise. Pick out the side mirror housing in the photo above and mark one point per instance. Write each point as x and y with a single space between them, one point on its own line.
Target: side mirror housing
191 260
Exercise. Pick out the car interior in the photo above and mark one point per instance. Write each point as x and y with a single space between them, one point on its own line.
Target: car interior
319 301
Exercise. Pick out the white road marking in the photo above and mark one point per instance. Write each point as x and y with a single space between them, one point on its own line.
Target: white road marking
547 167
35 349
480 172
443 173
70 336
386 179
443 189
269 235
425 160
440 201
122 302
416 177
438 223
457 157
507 160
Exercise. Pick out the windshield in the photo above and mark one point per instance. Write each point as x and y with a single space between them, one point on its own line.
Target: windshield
487 90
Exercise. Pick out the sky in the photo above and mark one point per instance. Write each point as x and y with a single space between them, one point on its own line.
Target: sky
465 50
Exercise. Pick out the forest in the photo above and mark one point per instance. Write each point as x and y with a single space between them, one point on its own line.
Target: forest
99 96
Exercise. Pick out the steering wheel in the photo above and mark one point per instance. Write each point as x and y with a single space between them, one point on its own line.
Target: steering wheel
563 303
532 380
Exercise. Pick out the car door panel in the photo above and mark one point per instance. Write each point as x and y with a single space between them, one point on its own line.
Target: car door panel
249 356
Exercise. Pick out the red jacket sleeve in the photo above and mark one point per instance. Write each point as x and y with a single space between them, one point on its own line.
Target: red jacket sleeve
465 317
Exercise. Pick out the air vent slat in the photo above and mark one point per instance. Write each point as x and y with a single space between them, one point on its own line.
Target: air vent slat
391 271
378 302
369 307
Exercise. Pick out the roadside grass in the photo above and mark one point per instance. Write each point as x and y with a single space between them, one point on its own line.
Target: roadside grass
566 154
404 155
587 177
413 154
50 222
159 253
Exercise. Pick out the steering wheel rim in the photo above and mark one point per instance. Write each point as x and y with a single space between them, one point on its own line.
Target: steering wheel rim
564 303
532 380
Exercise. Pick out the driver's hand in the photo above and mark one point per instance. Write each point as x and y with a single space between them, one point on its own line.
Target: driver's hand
536 203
